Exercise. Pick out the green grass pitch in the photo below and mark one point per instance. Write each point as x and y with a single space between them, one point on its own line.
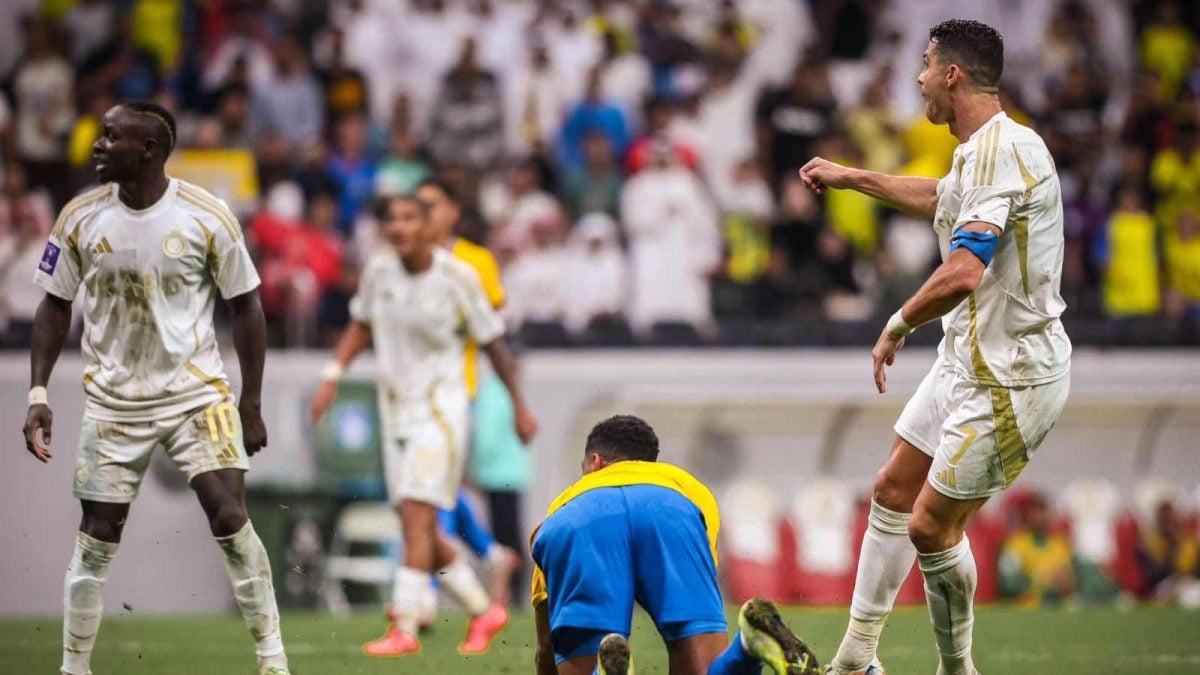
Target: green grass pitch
1027 642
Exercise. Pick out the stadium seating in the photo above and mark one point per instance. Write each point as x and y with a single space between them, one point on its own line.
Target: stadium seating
365 539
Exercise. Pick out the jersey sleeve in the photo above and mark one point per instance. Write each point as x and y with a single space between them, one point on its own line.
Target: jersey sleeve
489 277
231 266
59 272
483 322
364 297
991 180
537 590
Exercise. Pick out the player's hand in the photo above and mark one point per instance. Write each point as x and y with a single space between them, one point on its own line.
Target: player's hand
884 354
527 426
38 422
819 174
254 430
321 400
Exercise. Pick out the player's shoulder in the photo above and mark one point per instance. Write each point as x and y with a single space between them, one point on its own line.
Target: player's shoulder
207 209
473 254
458 271
83 205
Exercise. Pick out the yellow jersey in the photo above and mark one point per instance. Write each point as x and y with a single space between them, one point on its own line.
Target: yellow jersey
484 263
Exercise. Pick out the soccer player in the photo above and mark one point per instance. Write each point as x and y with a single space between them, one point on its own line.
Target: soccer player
1002 374
418 304
151 253
636 530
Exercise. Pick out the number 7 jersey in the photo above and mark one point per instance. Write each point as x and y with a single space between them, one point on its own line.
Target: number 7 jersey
1008 332
150 279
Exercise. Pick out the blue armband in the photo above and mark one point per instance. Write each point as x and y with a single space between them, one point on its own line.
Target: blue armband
982 244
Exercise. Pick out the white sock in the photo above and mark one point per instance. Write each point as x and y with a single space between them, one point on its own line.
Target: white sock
461 582
83 601
950 580
887 557
408 588
249 571
429 605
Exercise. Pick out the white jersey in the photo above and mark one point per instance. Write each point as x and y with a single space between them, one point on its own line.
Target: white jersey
420 324
150 278
1008 332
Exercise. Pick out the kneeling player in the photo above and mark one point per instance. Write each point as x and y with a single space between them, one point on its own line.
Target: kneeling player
632 529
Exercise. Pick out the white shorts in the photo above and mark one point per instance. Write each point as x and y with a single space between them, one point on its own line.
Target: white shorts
424 449
980 437
113 456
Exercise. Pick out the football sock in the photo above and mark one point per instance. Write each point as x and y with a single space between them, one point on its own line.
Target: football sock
887 557
83 601
461 582
736 660
409 587
249 571
429 603
950 580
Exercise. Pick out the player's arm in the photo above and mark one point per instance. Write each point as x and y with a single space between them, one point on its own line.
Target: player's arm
506 369
51 324
250 342
971 250
354 339
914 195
544 654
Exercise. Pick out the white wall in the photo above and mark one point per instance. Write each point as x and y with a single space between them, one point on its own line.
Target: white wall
781 415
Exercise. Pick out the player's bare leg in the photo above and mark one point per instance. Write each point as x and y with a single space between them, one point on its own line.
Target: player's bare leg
83 588
887 557
944 552
222 494
693 655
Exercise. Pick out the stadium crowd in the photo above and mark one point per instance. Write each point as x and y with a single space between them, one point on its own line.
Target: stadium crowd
631 163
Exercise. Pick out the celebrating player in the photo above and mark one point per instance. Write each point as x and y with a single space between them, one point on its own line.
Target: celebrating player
634 529
1002 374
418 304
151 253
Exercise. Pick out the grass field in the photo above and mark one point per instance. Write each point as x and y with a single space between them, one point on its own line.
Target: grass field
1145 640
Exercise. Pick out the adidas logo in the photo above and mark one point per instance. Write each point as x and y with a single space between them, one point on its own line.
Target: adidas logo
102 246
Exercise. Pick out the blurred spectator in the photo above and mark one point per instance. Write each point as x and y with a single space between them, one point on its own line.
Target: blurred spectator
515 205
25 221
573 48
1035 562
660 118
352 171
233 118
85 133
593 114
345 87
1127 252
241 54
120 66
534 280
1074 127
1170 558
595 186
725 125
874 126
157 28
674 243
536 99
747 208
597 273
790 120
288 102
44 94
1175 174
89 25
15 15
467 121
299 257
403 168
1183 273
625 78
1147 121
1167 47
851 214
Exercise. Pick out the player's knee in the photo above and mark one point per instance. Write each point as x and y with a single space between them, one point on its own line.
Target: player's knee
104 529
893 493
228 518
928 534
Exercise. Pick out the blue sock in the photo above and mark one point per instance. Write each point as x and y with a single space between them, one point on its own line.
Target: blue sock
735 660
467 527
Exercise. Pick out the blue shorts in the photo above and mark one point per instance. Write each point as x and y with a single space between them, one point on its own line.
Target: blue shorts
610 547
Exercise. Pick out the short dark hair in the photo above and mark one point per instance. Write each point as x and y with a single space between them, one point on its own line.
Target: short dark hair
164 124
382 206
442 185
623 437
975 47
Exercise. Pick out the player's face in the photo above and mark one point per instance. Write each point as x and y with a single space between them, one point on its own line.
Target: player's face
443 213
121 149
407 228
933 87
